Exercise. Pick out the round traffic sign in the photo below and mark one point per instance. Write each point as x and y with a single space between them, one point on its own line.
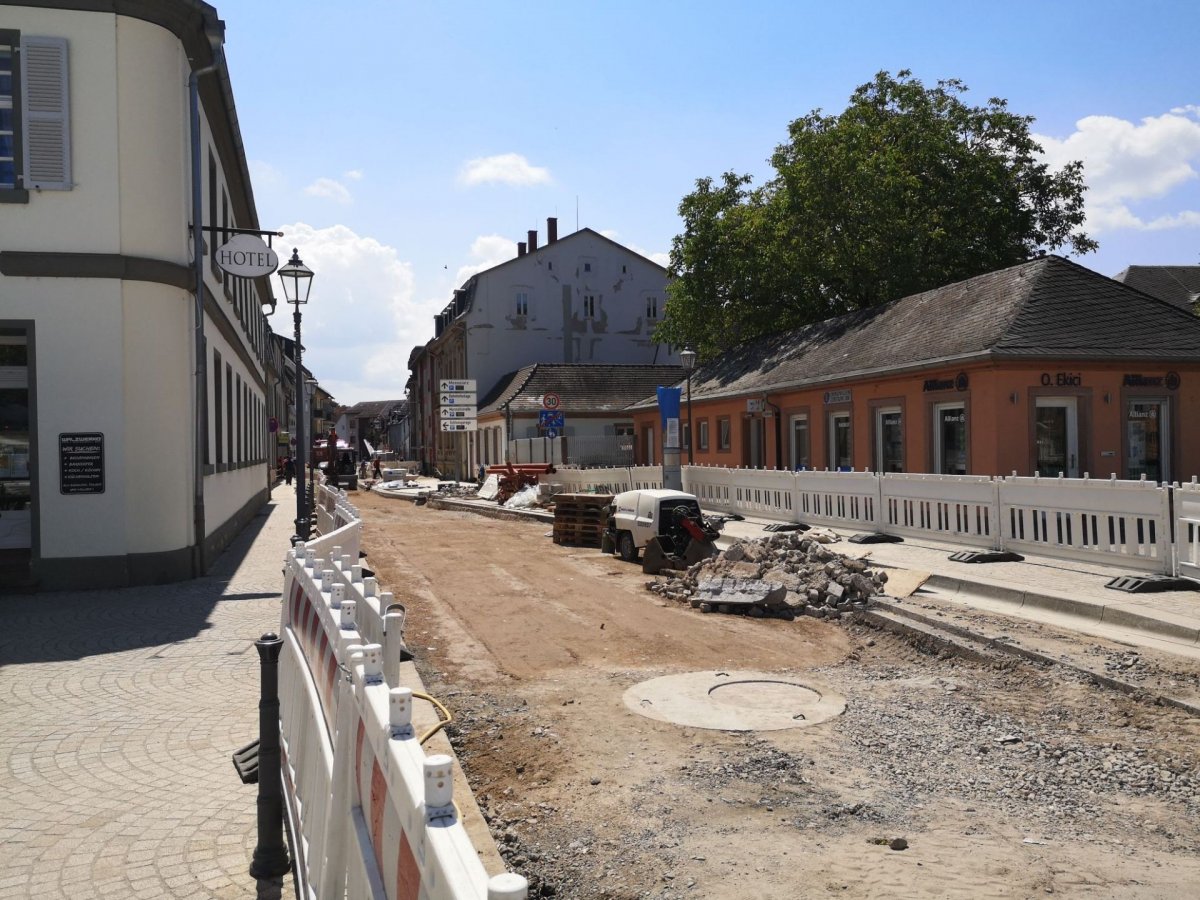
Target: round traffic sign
551 400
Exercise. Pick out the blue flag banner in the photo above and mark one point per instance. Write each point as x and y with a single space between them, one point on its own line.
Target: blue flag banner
668 404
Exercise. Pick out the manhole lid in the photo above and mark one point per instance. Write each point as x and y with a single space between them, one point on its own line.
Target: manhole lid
734 701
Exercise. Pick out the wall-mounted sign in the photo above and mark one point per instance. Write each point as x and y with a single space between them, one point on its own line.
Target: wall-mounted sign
81 463
1061 379
842 396
1170 381
456 385
247 256
938 384
756 406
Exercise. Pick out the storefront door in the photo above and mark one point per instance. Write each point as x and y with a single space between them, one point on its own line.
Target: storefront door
16 533
840 459
1147 439
889 441
758 443
1056 437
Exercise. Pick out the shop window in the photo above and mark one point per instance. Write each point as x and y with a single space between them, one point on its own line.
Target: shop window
724 433
889 440
950 439
840 446
1056 437
800 446
1146 438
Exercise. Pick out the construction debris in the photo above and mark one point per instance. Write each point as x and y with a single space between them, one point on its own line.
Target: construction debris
784 575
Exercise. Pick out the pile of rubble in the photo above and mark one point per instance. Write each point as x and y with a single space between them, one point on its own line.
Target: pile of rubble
784 576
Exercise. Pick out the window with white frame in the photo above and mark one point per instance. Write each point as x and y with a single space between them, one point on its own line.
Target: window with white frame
521 303
34 116
800 451
589 306
651 307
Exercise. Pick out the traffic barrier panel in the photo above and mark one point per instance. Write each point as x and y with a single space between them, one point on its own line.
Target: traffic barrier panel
1187 529
838 499
958 508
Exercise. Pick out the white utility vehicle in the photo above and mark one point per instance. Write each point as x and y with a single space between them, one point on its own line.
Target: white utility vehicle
667 522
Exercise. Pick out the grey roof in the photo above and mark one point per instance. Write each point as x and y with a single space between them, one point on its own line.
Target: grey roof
582 388
1047 307
1179 285
369 409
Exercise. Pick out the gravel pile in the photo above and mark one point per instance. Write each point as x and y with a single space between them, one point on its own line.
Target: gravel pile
784 575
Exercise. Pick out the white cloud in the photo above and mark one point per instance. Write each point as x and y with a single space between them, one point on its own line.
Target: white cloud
487 250
263 174
353 175
506 168
330 189
1126 162
361 321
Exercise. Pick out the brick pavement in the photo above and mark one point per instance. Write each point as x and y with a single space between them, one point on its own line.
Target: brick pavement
119 710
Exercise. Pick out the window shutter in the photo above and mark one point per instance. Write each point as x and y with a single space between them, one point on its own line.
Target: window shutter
45 113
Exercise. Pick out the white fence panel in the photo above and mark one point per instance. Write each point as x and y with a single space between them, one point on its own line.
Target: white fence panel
1123 523
712 485
838 499
1187 530
957 508
600 481
763 493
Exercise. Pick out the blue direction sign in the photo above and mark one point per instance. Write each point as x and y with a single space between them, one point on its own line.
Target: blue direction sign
550 418
551 432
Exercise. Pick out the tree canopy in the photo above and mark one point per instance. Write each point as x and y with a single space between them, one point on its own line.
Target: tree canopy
908 189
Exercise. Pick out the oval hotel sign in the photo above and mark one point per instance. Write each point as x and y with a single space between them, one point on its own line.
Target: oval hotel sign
246 256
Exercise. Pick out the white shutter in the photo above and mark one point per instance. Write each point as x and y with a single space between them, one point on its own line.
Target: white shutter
45 113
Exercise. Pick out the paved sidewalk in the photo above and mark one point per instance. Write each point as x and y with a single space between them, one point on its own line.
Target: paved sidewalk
119 710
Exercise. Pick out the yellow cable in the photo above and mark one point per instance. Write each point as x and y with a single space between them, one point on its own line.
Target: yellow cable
440 725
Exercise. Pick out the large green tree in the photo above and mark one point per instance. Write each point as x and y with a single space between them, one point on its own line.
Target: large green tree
908 189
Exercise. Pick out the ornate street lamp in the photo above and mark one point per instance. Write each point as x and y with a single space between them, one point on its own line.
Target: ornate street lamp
297 282
310 388
687 356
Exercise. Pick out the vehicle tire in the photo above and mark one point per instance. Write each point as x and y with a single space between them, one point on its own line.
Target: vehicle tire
625 547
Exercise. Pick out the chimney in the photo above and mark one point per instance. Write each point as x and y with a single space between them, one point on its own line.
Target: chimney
532 239
520 248
551 230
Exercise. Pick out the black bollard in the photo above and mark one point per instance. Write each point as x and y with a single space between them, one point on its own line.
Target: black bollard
270 855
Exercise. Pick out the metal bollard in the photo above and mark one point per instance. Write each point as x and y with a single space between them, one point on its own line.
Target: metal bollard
270 854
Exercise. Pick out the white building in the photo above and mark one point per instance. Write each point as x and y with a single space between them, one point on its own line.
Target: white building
118 464
580 299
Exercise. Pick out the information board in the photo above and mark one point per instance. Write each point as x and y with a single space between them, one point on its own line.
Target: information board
81 463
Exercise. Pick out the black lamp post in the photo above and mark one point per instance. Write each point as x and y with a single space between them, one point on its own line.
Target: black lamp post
310 389
297 282
687 356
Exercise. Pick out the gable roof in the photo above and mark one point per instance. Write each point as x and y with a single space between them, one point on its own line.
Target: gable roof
1047 307
582 388
1179 285
467 285
369 409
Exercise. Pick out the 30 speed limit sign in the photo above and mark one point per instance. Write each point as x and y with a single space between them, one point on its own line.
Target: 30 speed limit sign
551 400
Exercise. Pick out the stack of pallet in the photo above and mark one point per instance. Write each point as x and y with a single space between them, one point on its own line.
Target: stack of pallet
580 519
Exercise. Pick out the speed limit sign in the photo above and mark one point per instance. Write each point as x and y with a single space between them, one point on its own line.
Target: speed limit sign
551 400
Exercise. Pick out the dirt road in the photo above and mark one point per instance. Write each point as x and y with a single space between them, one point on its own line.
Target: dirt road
1002 779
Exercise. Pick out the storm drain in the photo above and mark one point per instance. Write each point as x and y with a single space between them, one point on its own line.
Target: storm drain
734 701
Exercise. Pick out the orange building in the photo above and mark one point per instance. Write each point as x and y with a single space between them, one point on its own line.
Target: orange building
1042 367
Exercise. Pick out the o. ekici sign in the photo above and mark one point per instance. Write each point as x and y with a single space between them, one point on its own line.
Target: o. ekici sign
247 256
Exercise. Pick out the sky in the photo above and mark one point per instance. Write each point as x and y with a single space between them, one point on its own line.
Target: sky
403 146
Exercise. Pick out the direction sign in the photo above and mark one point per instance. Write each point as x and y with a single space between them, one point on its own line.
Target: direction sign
551 400
550 418
456 385
461 425
461 399
551 432
454 412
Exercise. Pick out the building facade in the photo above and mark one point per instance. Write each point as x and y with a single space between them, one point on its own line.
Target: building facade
1046 367
580 299
135 377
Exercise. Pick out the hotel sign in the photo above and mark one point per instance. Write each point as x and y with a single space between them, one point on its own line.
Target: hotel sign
246 256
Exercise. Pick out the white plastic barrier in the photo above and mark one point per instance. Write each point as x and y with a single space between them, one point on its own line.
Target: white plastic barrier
839 499
767 494
957 508
1187 529
712 485
372 814
600 481
645 477
1122 523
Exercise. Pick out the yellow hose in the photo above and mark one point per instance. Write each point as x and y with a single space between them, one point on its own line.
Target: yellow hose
440 725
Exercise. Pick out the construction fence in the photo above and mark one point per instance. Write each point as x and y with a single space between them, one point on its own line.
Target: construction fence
370 813
1108 521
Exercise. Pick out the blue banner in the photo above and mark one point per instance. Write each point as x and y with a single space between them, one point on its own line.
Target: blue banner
668 404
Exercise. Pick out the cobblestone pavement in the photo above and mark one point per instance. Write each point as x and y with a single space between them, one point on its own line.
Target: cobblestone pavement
119 711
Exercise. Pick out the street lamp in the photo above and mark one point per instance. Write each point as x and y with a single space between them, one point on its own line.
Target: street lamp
310 388
687 356
297 282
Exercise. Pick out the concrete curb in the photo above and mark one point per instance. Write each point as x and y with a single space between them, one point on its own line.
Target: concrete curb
1100 613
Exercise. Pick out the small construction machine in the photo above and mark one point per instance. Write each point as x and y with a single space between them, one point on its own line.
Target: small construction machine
667 525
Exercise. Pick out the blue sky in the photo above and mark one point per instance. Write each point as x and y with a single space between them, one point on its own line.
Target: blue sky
402 146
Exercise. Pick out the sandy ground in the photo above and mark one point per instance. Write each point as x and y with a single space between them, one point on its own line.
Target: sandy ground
1003 778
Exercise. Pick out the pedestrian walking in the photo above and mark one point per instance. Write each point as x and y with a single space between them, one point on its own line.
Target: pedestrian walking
377 472
289 471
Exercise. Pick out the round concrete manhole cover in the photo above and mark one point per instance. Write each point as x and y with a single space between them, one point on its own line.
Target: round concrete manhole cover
734 701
